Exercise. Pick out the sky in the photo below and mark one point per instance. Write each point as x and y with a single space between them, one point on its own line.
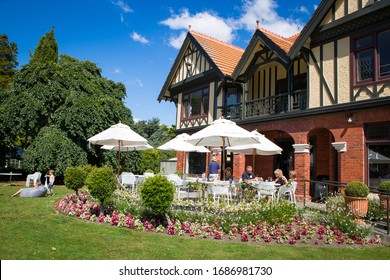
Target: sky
135 42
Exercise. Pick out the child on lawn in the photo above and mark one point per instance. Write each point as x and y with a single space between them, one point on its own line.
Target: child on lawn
51 182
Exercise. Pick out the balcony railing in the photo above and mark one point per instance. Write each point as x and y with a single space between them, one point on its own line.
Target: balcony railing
281 103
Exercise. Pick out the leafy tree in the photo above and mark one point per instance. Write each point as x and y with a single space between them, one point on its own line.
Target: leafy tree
8 62
101 183
52 149
47 49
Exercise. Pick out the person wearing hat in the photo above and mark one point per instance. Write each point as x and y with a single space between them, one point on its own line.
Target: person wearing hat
214 169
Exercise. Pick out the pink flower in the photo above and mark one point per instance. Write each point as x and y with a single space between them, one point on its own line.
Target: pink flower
268 238
292 241
321 230
217 235
244 237
101 218
129 221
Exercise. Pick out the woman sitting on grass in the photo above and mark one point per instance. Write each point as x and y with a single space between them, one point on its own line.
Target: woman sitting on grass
37 191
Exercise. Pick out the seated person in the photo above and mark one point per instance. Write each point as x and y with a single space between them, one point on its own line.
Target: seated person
280 179
37 191
229 174
293 178
248 175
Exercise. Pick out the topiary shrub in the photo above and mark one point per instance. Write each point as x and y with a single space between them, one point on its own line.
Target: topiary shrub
74 178
384 187
101 183
356 189
157 194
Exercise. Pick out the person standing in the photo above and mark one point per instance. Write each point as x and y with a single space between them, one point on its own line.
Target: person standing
51 182
214 169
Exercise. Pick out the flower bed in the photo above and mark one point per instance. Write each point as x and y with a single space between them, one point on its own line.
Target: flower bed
295 231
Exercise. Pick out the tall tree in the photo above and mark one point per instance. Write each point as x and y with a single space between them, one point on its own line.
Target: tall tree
8 62
47 49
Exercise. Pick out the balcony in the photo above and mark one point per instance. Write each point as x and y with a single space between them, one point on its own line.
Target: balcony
272 105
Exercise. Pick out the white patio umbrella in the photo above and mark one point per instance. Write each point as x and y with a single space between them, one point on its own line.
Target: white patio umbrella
223 133
265 147
118 135
127 148
179 144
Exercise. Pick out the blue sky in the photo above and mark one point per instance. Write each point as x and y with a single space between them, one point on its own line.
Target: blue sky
135 42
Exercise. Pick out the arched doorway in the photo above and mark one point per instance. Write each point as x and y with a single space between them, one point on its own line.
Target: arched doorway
323 156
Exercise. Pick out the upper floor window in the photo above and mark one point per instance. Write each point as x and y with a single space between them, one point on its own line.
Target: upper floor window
371 57
196 103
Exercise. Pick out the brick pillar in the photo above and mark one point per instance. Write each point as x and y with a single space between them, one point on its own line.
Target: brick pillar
180 162
238 165
302 167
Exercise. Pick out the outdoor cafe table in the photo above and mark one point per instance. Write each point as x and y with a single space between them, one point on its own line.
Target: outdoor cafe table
10 174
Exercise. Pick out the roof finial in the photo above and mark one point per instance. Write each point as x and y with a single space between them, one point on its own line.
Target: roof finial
257 24
189 27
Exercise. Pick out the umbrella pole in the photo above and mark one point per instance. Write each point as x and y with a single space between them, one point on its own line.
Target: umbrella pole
253 159
223 158
184 163
119 157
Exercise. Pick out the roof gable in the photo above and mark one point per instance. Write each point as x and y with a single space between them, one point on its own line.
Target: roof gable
221 59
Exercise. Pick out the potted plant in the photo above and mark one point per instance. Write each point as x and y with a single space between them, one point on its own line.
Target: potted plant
384 192
356 199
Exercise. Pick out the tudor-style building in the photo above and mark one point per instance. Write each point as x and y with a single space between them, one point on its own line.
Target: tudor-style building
322 95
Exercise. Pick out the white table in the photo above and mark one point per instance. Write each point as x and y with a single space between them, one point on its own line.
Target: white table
10 174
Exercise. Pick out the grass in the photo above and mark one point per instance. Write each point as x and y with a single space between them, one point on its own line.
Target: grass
31 229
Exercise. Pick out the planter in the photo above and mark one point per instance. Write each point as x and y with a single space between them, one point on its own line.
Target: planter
383 199
358 206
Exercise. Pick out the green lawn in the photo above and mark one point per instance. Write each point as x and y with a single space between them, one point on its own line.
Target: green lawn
30 229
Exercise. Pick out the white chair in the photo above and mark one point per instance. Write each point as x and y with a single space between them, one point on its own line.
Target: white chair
288 192
179 184
235 188
266 188
128 180
35 177
221 189
148 175
213 177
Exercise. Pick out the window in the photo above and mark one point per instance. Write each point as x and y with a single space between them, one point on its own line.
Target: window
371 57
196 103
378 153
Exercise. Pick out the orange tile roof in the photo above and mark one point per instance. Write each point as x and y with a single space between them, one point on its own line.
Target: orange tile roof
224 55
283 42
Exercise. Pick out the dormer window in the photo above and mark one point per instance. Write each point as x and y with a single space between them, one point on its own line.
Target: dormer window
196 103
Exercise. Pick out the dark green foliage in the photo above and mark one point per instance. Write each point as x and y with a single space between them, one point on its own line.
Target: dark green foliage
74 177
357 189
157 194
129 160
8 63
101 183
384 187
47 49
52 149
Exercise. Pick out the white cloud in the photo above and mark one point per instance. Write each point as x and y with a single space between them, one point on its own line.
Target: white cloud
135 119
302 9
123 5
117 70
205 22
265 11
315 7
135 82
139 38
122 18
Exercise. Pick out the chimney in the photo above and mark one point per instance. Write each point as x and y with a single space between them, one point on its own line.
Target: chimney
257 24
189 27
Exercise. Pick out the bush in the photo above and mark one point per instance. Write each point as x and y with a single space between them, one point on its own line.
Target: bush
101 183
384 187
74 178
375 211
157 194
357 189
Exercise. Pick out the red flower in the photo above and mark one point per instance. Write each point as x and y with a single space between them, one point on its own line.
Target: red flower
244 237
292 241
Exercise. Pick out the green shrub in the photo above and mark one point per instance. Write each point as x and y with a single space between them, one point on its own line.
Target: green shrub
384 187
337 215
157 194
101 183
87 169
357 189
74 178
